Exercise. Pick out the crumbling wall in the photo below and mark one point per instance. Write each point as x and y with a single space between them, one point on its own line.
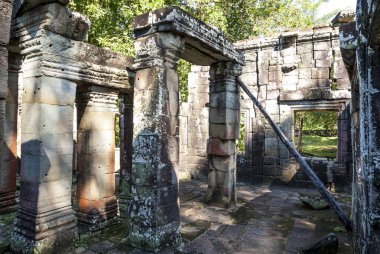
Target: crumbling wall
288 72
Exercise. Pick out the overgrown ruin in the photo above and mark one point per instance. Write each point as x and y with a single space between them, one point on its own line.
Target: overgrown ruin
60 95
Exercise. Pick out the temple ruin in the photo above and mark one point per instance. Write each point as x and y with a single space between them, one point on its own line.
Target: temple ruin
60 96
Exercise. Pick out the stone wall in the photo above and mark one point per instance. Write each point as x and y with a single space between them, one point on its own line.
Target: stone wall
194 119
289 72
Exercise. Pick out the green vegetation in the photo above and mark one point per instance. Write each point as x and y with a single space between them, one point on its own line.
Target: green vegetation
316 133
240 143
318 146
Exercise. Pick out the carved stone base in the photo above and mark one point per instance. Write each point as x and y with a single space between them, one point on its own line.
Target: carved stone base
8 203
46 233
104 215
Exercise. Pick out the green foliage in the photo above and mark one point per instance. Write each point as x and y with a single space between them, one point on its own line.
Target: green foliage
317 120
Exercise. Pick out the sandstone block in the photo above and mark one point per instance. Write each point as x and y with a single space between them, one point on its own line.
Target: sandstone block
5 21
271 170
221 147
48 90
222 163
322 54
224 131
46 118
229 100
304 73
263 76
322 63
271 146
320 73
322 45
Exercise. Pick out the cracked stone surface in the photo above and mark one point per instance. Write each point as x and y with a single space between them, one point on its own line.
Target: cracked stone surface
265 220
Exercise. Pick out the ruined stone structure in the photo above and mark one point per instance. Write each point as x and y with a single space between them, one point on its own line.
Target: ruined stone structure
67 91
293 71
57 69
164 36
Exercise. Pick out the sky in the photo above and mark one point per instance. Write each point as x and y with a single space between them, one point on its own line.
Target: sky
335 4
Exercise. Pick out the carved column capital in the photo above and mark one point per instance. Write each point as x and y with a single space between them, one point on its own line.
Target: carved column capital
102 98
159 49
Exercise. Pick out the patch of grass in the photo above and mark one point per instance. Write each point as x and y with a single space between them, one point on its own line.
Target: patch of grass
318 146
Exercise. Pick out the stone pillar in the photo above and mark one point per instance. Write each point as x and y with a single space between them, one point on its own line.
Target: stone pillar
224 119
46 222
7 175
9 145
154 210
126 137
97 203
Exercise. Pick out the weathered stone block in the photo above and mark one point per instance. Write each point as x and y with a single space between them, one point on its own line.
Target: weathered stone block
291 59
304 73
320 73
5 21
274 74
221 147
228 100
224 131
271 170
222 163
46 119
304 48
48 90
322 63
273 94
322 45
263 76
289 80
3 71
322 54
271 160
271 146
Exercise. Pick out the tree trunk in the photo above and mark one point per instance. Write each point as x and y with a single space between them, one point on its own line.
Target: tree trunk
299 145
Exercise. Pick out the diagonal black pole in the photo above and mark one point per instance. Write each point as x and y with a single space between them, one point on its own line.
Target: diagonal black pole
310 173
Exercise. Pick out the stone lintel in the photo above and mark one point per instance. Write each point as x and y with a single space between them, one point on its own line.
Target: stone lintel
56 56
321 33
315 94
204 45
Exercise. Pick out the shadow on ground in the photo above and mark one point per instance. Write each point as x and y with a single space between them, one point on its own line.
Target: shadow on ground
266 220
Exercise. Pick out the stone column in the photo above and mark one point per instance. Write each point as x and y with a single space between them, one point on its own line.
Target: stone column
46 222
97 203
126 137
9 145
7 175
154 210
224 119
